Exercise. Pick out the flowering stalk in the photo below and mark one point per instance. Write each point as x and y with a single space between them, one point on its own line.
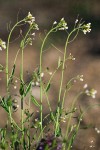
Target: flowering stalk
31 20
62 25
7 52
7 69
61 82
69 119
41 88
85 28
78 125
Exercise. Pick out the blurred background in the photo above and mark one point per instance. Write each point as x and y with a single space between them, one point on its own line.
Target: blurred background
86 50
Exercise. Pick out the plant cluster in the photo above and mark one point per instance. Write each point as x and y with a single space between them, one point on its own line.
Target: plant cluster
22 136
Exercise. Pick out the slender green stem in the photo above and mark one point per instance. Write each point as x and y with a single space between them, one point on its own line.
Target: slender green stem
69 119
61 83
12 127
64 95
29 142
16 125
62 76
53 75
77 128
7 67
7 52
75 35
47 99
63 67
22 104
66 90
41 88
16 56
22 76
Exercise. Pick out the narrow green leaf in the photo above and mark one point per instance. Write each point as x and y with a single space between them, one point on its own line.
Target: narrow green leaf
1 68
58 132
48 87
28 116
35 101
6 103
13 70
52 117
59 61
27 89
12 74
9 101
21 90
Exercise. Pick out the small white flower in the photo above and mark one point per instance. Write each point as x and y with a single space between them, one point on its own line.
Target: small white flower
86 28
93 96
2 44
98 131
66 27
80 119
84 31
30 19
30 43
63 119
36 27
85 86
30 22
81 79
91 93
36 119
91 146
55 22
33 84
16 81
76 21
0 48
75 109
17 106
61 28
15 87
37 111
33 33
29 15
87 92
50 73
62 25
73 58
62 19
42 74
37 83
